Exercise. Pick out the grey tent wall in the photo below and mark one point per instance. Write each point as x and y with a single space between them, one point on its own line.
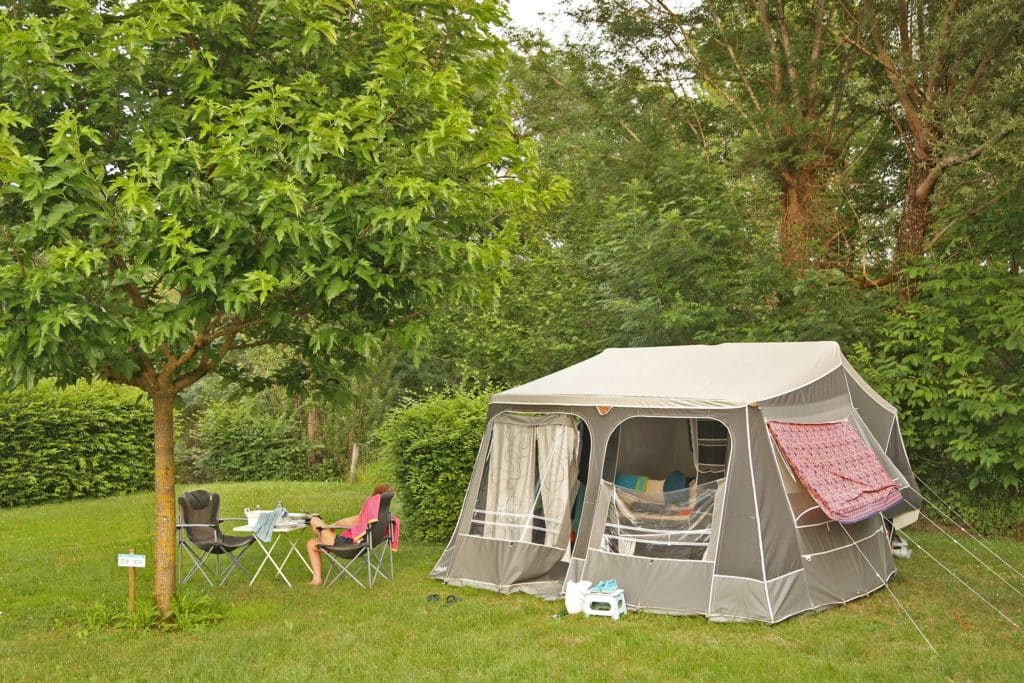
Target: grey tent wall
785 584
883 420
738 584
835 569
500 565
442 568
601 428
876 412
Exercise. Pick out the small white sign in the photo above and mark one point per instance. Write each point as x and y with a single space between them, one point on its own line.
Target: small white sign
130 560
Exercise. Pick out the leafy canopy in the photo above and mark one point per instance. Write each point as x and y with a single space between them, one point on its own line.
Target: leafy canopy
184 179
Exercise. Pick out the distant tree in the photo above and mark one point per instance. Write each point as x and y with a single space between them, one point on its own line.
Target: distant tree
183 180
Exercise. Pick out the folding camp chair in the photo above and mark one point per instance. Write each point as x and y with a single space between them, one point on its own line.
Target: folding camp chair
382 544
199 537
376 544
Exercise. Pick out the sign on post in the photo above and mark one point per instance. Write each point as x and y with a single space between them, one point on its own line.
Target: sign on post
131 560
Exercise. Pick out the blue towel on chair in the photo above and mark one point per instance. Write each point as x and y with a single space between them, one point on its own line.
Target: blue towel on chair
264 527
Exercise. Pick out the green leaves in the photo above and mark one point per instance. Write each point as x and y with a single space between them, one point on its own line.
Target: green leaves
952 362
433 444
88 440
241 440
178 176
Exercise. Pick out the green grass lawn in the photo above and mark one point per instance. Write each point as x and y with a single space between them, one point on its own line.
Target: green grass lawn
58 560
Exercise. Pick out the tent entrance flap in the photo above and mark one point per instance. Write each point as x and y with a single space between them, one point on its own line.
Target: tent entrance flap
837 467
529 480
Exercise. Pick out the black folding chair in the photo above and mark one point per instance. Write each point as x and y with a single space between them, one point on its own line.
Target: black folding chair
376 544
200 537
381 545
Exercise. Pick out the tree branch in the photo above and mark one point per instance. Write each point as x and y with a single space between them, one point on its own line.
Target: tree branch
732 57
918 127
787 52
925 187
190 378
816 44
979 71
935 70
688 48
773 50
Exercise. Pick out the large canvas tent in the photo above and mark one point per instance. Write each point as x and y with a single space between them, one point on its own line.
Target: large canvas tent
737 481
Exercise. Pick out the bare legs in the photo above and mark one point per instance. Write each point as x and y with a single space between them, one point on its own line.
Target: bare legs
324 537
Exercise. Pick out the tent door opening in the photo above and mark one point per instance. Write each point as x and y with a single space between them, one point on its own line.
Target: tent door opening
529 481
667 475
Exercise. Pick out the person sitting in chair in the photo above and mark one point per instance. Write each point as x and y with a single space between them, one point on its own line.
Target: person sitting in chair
325 536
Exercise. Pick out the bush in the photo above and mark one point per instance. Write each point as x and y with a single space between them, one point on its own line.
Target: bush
86 440
989 510
433 444
952 360
241 441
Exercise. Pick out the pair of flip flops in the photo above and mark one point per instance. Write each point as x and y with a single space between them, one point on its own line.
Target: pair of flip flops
449 600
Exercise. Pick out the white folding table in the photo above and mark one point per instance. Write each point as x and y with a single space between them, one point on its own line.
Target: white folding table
284 530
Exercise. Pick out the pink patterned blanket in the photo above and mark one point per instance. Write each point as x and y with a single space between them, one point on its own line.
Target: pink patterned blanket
839 470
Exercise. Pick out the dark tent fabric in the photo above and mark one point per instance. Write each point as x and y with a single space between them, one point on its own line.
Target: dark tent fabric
839 470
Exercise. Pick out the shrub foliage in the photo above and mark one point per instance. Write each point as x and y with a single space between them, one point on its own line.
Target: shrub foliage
86 440
433 443
953 362
243 441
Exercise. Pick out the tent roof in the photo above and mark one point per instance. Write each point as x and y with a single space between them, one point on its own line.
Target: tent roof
724 375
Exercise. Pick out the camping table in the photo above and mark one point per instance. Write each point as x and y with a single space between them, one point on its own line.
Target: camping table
284 530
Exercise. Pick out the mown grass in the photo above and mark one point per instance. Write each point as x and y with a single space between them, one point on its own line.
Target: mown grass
58 560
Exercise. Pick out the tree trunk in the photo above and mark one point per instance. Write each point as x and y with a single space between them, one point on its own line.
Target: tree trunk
353 461
914 222
798 221
163 546
316 455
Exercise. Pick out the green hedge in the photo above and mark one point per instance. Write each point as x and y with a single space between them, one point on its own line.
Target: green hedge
242 440
952 361
87 440
433 443
989 510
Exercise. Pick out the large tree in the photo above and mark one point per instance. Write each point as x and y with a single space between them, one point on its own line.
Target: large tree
766 78
183 180
950 77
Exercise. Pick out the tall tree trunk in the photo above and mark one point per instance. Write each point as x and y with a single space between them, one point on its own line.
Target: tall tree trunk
798 221
915 219
163 547
316 455
353 462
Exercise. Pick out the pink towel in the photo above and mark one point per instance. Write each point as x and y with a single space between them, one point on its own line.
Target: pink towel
396 526
367 516
838 468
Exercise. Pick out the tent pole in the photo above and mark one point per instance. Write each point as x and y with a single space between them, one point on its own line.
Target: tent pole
966 585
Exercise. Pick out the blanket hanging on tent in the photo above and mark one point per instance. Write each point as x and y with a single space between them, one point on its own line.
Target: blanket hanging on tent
839 470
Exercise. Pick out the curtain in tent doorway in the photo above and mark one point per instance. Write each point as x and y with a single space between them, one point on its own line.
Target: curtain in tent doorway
558 446
531 457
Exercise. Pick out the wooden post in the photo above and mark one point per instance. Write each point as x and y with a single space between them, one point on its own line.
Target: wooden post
353 460
131 584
